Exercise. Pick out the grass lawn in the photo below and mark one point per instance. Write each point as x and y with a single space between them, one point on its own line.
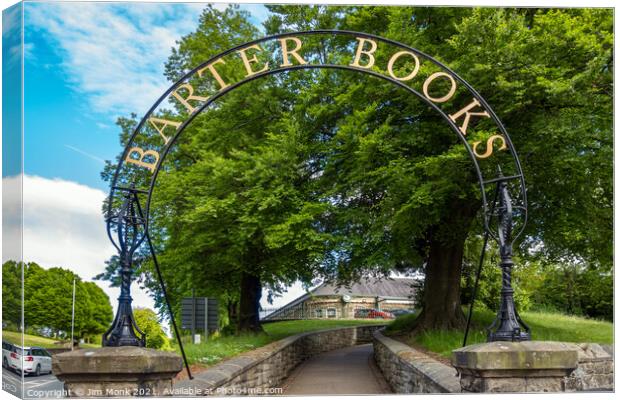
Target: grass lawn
32 340
221 348
544 326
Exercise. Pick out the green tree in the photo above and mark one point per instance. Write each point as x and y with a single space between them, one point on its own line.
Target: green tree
335 174
551 83
243 221
547 74
12 293
156 338
566 286
48 299
101 315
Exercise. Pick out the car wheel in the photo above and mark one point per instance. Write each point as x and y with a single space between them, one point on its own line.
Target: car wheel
37 371
5 363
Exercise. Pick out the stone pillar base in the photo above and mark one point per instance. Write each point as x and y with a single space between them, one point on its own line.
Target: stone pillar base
117 371
515 366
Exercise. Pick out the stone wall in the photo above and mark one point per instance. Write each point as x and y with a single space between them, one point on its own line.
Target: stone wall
258 371
410 371
534 366
595 369
498 367
116 371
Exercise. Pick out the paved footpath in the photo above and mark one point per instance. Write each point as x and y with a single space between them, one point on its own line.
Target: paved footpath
350 370
46 386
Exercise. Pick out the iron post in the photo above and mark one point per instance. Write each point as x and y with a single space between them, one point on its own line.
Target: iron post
507 326
130 234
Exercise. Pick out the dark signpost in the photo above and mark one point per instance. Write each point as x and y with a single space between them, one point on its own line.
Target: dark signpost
199 314
440 88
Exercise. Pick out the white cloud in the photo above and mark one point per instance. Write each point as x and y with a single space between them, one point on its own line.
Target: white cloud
63 227
114 53
11 35
11 218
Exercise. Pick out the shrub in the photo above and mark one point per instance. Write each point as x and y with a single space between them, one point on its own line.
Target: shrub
155 336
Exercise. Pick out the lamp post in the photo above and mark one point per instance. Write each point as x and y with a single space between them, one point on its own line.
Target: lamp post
130 232
507 325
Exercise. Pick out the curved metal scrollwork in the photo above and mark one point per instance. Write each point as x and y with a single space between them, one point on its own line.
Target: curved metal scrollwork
130 233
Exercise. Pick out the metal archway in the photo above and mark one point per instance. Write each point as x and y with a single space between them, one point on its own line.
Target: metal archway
140 163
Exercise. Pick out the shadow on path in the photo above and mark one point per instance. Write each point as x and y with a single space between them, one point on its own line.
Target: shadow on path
350 370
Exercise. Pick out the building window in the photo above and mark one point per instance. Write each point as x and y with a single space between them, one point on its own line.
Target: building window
331 313
318 313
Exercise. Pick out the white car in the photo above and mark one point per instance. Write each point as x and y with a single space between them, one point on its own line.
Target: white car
36 360
7 349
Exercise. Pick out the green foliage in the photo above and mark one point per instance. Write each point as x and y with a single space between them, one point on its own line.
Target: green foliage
575 289
526 277
48 301
11 294
100 312
402 324
156 338
570 287
332 174
548 75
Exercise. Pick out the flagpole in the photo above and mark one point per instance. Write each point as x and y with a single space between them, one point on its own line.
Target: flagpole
72 314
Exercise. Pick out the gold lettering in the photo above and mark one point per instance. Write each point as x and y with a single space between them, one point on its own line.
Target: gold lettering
369 53
468 115
286 52
396 56
430 79
165 123
190 96
489 150
248 62
140 160
216 75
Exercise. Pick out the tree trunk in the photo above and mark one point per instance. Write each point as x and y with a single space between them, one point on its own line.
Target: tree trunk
442 283
249 304
231 307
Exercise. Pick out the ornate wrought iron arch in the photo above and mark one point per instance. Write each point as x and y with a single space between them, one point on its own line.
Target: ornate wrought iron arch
128 215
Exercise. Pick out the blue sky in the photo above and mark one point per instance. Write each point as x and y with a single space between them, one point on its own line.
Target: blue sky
86 64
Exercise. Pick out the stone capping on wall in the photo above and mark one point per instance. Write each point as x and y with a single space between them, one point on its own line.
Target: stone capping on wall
267 366
410 371
116 371
534 366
